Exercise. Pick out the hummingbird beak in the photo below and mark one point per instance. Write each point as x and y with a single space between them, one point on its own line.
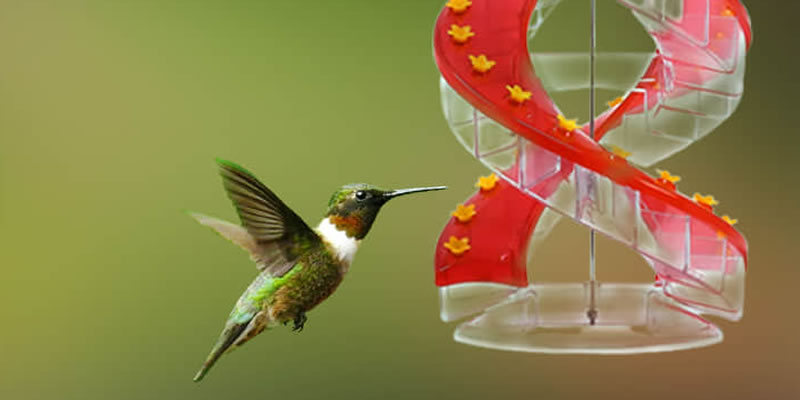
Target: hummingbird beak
394 193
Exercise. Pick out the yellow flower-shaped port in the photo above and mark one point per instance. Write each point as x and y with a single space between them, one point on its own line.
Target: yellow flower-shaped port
487 183
457 246
729 220
517 94
568 125
665 175
460 34
458 6
620 152
481 63
705 200
464 213
614 102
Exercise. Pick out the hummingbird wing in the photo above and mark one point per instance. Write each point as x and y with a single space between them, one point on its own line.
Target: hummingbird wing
280 234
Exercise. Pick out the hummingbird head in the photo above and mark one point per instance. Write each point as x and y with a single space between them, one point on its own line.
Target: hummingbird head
353 208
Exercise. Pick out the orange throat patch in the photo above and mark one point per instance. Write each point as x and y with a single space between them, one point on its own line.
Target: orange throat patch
351 224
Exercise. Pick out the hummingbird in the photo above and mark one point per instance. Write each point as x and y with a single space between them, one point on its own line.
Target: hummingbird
298 266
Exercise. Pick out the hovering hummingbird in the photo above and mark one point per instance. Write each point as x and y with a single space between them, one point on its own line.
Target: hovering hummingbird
299 267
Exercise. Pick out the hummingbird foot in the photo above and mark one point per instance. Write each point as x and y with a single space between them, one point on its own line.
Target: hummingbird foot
299 321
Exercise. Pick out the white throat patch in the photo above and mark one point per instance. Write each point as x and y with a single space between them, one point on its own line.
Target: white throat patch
343 246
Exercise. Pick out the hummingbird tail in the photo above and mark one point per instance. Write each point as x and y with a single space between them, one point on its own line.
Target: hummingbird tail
228 338
235 233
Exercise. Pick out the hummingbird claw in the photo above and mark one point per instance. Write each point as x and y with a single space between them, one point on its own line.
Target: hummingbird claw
299 322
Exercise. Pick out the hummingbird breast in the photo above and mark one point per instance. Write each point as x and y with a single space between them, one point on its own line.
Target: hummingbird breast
316 276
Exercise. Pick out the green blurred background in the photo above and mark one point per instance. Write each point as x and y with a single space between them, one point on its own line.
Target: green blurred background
111 114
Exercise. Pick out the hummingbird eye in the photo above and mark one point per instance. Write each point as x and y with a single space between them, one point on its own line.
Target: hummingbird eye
361 195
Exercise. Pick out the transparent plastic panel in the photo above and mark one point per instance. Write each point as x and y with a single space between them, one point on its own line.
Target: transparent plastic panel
662 10
710 104
562 72
712 280
462 300
503 161
543 9
493 138
456 110
552 319
624 213
679 121
730 82
689 20
646 145
605 206
714 285
664 237
539 165
720 52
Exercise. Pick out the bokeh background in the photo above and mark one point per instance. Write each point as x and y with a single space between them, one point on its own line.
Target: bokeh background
111 114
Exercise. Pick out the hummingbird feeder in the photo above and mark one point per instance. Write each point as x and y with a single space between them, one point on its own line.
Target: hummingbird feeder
546 167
